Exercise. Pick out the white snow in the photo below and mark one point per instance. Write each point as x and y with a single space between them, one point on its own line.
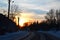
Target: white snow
22 34
53 33
14 35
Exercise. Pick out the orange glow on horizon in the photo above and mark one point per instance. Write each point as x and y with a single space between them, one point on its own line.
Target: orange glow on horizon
26 18
22 21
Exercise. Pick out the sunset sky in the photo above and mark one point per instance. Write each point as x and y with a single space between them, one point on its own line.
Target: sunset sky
33 9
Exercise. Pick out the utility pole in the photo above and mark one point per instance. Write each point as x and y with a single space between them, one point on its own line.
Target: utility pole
18 21
8 7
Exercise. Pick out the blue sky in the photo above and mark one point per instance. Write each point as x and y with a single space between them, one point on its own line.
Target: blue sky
39 7
33 5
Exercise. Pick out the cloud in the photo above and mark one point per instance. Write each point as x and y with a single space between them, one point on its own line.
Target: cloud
34 5
34 9
44 5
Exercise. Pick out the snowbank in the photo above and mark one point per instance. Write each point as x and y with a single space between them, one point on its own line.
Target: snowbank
10 36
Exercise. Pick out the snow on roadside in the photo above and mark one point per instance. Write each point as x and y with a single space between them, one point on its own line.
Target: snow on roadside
14 35
53 33
21 34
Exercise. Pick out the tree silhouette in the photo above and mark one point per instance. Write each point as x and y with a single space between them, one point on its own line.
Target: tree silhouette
50 16
52 22
53 18
14 11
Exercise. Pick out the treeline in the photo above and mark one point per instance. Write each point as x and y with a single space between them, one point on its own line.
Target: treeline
52 22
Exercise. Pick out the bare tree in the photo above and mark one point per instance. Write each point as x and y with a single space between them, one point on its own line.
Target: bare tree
50 16
53 17
14 8
57 15
14 11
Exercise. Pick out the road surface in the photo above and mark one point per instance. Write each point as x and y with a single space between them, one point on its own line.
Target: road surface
37 36
30 36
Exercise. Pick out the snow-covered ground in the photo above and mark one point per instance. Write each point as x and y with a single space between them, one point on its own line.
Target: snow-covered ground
11 36
23 34
53 33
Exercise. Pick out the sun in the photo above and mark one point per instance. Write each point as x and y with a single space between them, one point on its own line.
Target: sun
22 21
